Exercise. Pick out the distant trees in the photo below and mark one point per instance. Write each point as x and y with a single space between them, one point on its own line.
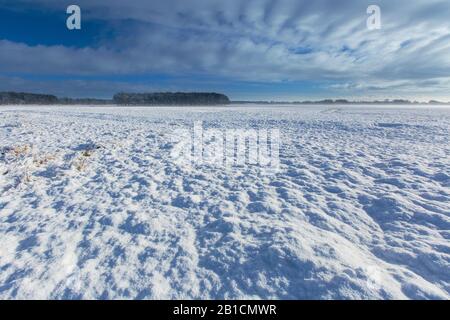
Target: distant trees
170 98
161 98
179 98
26 98
84 101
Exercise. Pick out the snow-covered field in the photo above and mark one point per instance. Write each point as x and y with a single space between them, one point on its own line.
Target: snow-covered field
92 206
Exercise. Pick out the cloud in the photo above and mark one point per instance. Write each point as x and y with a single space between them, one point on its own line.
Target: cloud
256 41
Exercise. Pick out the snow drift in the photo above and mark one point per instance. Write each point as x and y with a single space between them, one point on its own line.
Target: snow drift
93 207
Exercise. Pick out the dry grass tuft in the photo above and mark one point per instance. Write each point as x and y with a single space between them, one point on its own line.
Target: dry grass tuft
81 161
43 159
80 164
20 150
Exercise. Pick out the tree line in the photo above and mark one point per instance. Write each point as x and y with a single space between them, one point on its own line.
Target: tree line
162 98
26 98
170 98
177 98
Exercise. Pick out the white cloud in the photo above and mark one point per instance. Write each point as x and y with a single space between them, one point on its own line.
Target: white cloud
257 40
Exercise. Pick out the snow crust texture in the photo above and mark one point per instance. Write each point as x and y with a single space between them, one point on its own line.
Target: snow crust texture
93 207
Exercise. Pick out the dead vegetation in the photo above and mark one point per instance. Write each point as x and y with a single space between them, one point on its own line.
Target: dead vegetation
17 162
81 161
15 152
42 160
21 161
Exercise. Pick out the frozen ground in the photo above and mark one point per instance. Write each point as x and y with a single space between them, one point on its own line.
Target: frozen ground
91 205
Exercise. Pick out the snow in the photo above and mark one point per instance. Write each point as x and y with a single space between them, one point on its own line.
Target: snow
92 206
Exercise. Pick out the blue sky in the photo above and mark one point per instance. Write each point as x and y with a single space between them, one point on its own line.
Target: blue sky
253 49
